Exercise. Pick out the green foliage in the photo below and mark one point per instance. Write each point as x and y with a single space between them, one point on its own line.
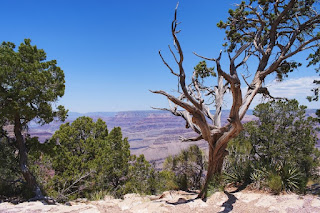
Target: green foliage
275 183
281 143
188 167
203 71
98 195
141 177
236 173
118 166
285 68
29 84
85 159
258 177
237 167
314 59
166 180
290 177
237 32
215 185
269 24
10 177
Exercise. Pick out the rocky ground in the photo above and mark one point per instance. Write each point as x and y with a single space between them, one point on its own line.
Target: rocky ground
179 201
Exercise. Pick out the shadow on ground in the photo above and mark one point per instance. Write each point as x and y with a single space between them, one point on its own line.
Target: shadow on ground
314 189
228 205
181 201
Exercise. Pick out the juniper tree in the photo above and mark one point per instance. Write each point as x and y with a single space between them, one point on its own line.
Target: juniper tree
29 86
268 32
281 142
87 158
141 176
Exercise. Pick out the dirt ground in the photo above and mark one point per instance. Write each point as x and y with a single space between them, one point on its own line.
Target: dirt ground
179 201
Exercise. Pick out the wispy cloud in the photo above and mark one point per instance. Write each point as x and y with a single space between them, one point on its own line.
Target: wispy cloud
292 88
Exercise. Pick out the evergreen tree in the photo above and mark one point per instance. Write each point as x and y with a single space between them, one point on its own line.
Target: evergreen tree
281 144
117 167
86 158
141 177
29 85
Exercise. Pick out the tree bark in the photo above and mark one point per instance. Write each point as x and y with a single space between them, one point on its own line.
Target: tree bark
23 159
215 163
197 114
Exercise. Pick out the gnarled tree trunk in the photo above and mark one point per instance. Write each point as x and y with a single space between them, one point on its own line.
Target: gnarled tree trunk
215 163
23 159
254 36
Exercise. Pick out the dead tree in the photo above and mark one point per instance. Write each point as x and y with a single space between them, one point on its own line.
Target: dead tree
270 33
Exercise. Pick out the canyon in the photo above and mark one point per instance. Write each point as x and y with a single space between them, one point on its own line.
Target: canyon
156 134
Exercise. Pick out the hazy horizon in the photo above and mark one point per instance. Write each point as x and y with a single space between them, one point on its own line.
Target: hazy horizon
152 110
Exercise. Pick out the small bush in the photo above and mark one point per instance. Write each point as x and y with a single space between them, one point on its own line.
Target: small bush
98 195
215 185
258 177
11 180
166 181
277 150
275 183
188 168
291 178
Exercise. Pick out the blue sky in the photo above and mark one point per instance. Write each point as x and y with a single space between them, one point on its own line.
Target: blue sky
109 49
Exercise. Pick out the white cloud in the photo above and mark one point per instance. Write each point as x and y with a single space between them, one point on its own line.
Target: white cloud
292 88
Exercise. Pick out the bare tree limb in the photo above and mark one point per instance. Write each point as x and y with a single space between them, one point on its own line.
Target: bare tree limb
174 55
167 65
175 100
198 138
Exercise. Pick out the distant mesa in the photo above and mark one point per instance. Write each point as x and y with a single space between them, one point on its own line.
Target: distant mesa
152 133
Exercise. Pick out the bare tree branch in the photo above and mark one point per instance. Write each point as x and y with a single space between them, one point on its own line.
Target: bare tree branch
167 65
174 55
272 32
198 138
175 100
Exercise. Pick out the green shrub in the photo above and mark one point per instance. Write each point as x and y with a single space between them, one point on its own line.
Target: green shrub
275 183
291 178
258 177
98 195
237 173
166 181
85 159
141 177
11 180
281 143
215 185
188 167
